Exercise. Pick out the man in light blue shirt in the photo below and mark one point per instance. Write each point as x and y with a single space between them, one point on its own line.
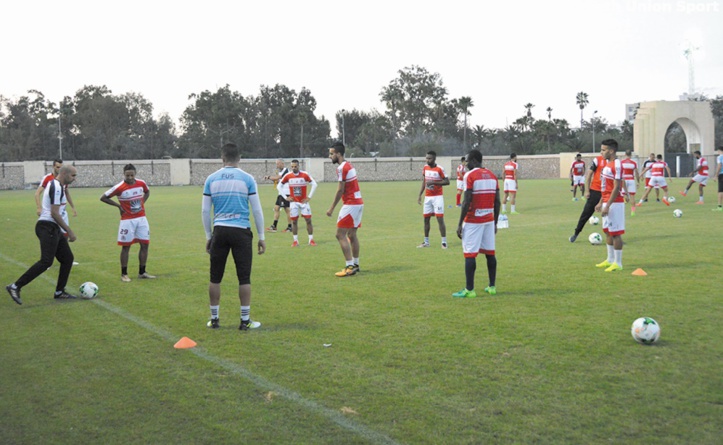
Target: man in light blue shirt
233 195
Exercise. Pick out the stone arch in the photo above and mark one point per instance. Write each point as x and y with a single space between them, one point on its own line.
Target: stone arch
653 119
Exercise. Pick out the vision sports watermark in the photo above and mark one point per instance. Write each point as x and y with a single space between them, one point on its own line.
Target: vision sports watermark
681 6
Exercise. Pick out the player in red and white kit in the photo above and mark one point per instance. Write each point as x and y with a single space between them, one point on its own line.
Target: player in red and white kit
461 170
510 186
297 182
350 214
132 194
701 176
631 178
657 178
433 179
577 176
478 223
612 206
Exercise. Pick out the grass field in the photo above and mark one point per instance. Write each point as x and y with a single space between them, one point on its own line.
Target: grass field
549 359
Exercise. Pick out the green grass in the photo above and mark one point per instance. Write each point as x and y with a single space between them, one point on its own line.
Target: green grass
549 359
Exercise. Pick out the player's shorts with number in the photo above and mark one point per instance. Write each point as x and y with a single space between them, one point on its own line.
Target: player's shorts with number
478 238
300 208
350 216
134 230
433 205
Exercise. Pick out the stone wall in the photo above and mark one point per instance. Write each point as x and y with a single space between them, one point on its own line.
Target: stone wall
194 171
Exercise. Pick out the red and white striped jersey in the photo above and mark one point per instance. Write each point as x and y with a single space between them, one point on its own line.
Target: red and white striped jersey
484 186
435 173
658 168
578 168
511 170
461 170
611 171
130 197
629 168
347 173
298 185
702 166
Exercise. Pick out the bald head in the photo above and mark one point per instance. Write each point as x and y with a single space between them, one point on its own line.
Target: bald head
67 174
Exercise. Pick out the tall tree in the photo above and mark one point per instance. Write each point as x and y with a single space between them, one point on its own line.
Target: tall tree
582 101
465 103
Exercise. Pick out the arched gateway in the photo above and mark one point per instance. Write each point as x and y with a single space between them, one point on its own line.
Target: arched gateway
651 124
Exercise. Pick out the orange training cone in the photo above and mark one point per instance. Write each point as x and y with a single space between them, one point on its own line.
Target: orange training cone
184 343
640 272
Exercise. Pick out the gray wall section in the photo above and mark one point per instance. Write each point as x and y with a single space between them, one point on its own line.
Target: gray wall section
19 175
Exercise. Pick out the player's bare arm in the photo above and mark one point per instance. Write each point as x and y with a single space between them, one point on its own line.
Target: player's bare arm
70 202
111 202
465 208
57 217
337 197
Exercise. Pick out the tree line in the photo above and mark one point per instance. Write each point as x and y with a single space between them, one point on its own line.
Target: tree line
417 115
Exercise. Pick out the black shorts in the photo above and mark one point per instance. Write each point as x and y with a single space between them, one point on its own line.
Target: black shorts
239 243
282 202
720 183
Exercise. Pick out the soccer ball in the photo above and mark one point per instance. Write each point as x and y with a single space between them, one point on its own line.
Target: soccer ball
88 290
677 213
671 198
595 239
594 220
645 330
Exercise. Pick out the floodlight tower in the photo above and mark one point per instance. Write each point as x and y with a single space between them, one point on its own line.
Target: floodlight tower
689 52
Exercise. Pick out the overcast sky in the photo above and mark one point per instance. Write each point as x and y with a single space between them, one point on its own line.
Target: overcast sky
503 55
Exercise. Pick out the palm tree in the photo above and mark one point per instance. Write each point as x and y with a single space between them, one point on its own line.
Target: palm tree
529 119
465 103
582 102
549 113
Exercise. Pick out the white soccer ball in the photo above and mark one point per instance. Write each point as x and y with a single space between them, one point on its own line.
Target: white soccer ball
594 220
677 213
671 198
645 330
595 239
88 290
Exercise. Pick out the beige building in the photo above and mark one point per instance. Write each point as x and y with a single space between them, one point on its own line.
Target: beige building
653 119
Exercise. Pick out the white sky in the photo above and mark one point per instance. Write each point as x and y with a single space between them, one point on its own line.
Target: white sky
503 55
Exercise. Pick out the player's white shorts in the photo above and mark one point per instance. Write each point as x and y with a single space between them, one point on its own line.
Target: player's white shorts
632 186
460 185
614 223
702 179
299 208
657 181
510 186
433 205
350 216
578 180
478 238
134 230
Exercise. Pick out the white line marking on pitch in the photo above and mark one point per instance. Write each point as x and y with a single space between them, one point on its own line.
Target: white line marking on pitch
260 382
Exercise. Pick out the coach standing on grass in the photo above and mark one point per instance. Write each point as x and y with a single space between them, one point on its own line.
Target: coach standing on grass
233 194
52 242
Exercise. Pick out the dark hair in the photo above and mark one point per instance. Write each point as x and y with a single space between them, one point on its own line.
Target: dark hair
697 152
57 161
475 155
294 160
513 155
628 152
611 143
230 153
129 167
659 157
463 158
720 148
339 147
432 152
578 155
